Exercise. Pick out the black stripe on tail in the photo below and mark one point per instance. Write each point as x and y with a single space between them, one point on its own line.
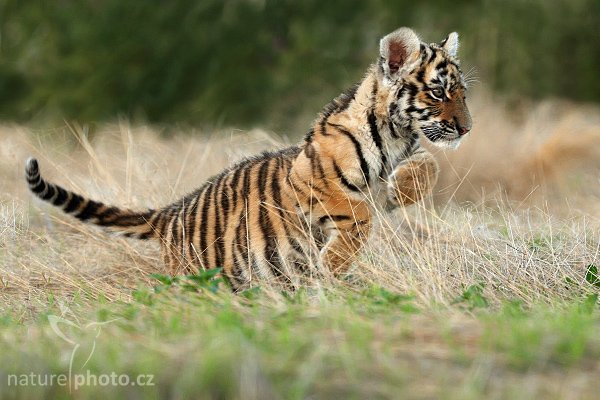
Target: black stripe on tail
113 219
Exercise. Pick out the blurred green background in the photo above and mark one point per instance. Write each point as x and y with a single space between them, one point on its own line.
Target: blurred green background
245 63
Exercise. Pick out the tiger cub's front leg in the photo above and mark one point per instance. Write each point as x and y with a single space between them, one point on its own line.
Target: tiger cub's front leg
345 240
412 180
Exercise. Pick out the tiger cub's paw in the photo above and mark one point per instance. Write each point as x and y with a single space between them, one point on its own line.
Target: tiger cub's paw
412 180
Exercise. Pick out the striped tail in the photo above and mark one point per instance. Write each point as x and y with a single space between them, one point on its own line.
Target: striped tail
112 219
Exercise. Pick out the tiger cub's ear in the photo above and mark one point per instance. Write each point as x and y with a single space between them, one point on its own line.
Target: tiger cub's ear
399 51
450 44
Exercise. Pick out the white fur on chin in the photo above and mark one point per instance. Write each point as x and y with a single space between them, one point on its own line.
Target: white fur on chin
448 144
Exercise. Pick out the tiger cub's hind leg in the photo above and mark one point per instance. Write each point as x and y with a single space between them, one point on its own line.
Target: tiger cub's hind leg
412 180
173 258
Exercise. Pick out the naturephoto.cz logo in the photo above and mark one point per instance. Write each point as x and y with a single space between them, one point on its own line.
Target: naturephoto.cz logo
78 380
83 339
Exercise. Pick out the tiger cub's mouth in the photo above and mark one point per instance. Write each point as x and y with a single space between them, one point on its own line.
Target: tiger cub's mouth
443 136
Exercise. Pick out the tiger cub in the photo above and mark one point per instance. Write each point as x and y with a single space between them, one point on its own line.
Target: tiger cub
287 213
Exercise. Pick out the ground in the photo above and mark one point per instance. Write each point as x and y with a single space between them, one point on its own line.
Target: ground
487 290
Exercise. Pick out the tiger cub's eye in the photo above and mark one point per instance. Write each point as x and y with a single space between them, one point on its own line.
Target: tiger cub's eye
438 93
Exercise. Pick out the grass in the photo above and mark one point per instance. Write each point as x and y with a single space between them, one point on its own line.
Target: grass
488 290
368 343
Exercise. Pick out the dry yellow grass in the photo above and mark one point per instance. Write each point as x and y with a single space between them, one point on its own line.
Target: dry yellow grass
517 207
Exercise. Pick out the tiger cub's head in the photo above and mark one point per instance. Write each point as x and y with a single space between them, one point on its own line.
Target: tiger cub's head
426 86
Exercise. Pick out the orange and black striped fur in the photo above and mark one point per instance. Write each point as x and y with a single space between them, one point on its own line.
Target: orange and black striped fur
283 214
